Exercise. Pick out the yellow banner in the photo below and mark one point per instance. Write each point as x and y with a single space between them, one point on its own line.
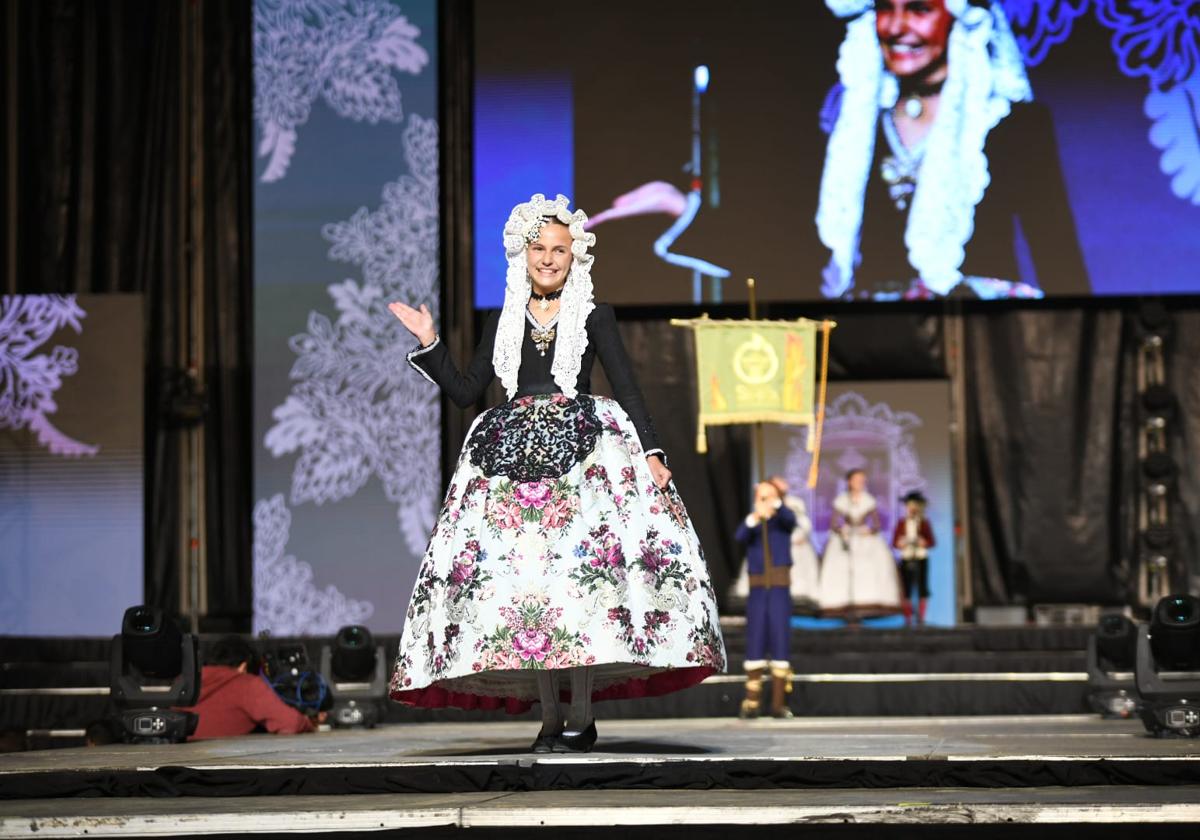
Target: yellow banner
759 372
755 371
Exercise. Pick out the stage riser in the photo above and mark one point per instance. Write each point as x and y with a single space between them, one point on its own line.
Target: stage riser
901 656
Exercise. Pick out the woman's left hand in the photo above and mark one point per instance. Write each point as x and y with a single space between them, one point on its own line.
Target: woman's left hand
662 475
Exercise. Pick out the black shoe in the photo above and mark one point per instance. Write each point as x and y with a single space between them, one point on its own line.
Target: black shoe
544 743
572 741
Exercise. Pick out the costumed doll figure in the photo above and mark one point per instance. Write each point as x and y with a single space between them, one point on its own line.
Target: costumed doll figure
858 573
563 565
766 534
805 566
912 539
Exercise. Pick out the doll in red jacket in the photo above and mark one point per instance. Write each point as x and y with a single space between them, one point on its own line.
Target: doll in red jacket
912 540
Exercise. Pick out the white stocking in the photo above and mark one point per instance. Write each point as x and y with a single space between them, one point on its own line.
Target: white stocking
552 722
580 715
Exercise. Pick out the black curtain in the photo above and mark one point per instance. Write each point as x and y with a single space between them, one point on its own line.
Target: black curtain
1051 454
1053 464
117 169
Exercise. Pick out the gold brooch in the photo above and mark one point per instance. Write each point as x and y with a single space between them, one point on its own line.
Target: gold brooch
542 336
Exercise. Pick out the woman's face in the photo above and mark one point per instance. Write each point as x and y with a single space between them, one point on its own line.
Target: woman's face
857 481
913 35
548 258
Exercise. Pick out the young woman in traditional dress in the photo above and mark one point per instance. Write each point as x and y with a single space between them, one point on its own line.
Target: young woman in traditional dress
563 564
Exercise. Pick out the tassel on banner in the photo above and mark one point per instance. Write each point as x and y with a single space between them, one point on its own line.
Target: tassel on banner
819 422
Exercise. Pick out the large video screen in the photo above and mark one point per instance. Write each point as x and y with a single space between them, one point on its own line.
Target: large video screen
849 149
346 219
71 468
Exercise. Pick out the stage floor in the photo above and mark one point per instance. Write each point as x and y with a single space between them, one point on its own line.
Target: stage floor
1055 769
1040 738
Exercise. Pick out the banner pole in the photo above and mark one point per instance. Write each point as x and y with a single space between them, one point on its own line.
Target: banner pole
759 448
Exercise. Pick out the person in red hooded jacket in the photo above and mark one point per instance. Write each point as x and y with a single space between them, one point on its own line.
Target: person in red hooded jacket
234 700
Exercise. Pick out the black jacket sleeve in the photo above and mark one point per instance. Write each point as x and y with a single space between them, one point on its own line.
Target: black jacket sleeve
464 389
602 330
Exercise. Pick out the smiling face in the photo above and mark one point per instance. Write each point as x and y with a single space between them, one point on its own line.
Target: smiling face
548 258
856 481
913 36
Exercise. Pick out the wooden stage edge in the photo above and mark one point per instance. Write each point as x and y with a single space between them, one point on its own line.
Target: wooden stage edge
596 809
691 772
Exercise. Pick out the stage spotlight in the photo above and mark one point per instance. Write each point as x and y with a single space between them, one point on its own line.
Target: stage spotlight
1159 467
1153 318
356 671
1175 632
1158 401
1116 643
1168 657
152 667
1111 656
1157 539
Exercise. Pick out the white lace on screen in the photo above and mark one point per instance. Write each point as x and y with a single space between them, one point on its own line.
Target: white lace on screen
986 74
574 307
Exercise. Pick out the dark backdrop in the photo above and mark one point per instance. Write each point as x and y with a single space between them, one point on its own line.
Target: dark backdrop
104 192
124 181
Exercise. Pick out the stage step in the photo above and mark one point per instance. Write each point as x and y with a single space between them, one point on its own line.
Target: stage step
602 811
62 684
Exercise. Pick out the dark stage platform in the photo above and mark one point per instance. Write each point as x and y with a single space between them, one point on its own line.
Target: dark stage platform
62 684
1055 769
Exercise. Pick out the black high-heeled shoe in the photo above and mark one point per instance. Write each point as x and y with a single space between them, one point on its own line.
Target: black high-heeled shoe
570 741
544 743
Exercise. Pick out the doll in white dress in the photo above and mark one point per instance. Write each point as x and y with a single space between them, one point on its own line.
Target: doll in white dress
858 573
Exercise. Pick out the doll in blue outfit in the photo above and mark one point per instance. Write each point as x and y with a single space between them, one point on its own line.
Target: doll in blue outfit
766 534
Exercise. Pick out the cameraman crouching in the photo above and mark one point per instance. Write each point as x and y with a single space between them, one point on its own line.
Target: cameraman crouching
235 701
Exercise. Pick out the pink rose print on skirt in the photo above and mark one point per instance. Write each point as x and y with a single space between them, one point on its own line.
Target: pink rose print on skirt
532 644
532 494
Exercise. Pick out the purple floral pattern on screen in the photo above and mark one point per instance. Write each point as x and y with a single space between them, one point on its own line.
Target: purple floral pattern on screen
29 379
343 52
1158 40
1040 24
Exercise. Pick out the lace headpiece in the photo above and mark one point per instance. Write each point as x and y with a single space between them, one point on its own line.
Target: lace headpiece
523 226
986 74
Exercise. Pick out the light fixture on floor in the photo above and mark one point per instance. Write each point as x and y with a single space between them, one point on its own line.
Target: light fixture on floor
356 671
1167 662
1111 655
152 667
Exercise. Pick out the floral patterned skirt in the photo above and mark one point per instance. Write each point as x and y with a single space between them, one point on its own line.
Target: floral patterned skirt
555 549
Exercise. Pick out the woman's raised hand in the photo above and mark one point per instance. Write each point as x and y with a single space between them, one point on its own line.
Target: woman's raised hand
419 322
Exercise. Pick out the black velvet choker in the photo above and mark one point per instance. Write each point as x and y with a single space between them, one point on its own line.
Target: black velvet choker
547 297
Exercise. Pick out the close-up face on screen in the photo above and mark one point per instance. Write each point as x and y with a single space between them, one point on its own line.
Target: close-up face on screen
871 150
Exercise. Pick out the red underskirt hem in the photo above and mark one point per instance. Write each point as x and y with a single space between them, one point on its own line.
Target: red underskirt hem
437 697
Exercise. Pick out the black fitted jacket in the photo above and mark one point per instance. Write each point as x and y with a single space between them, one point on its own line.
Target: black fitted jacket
466 387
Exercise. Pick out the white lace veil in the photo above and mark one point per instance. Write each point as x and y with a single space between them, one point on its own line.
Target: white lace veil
986 73
574 307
